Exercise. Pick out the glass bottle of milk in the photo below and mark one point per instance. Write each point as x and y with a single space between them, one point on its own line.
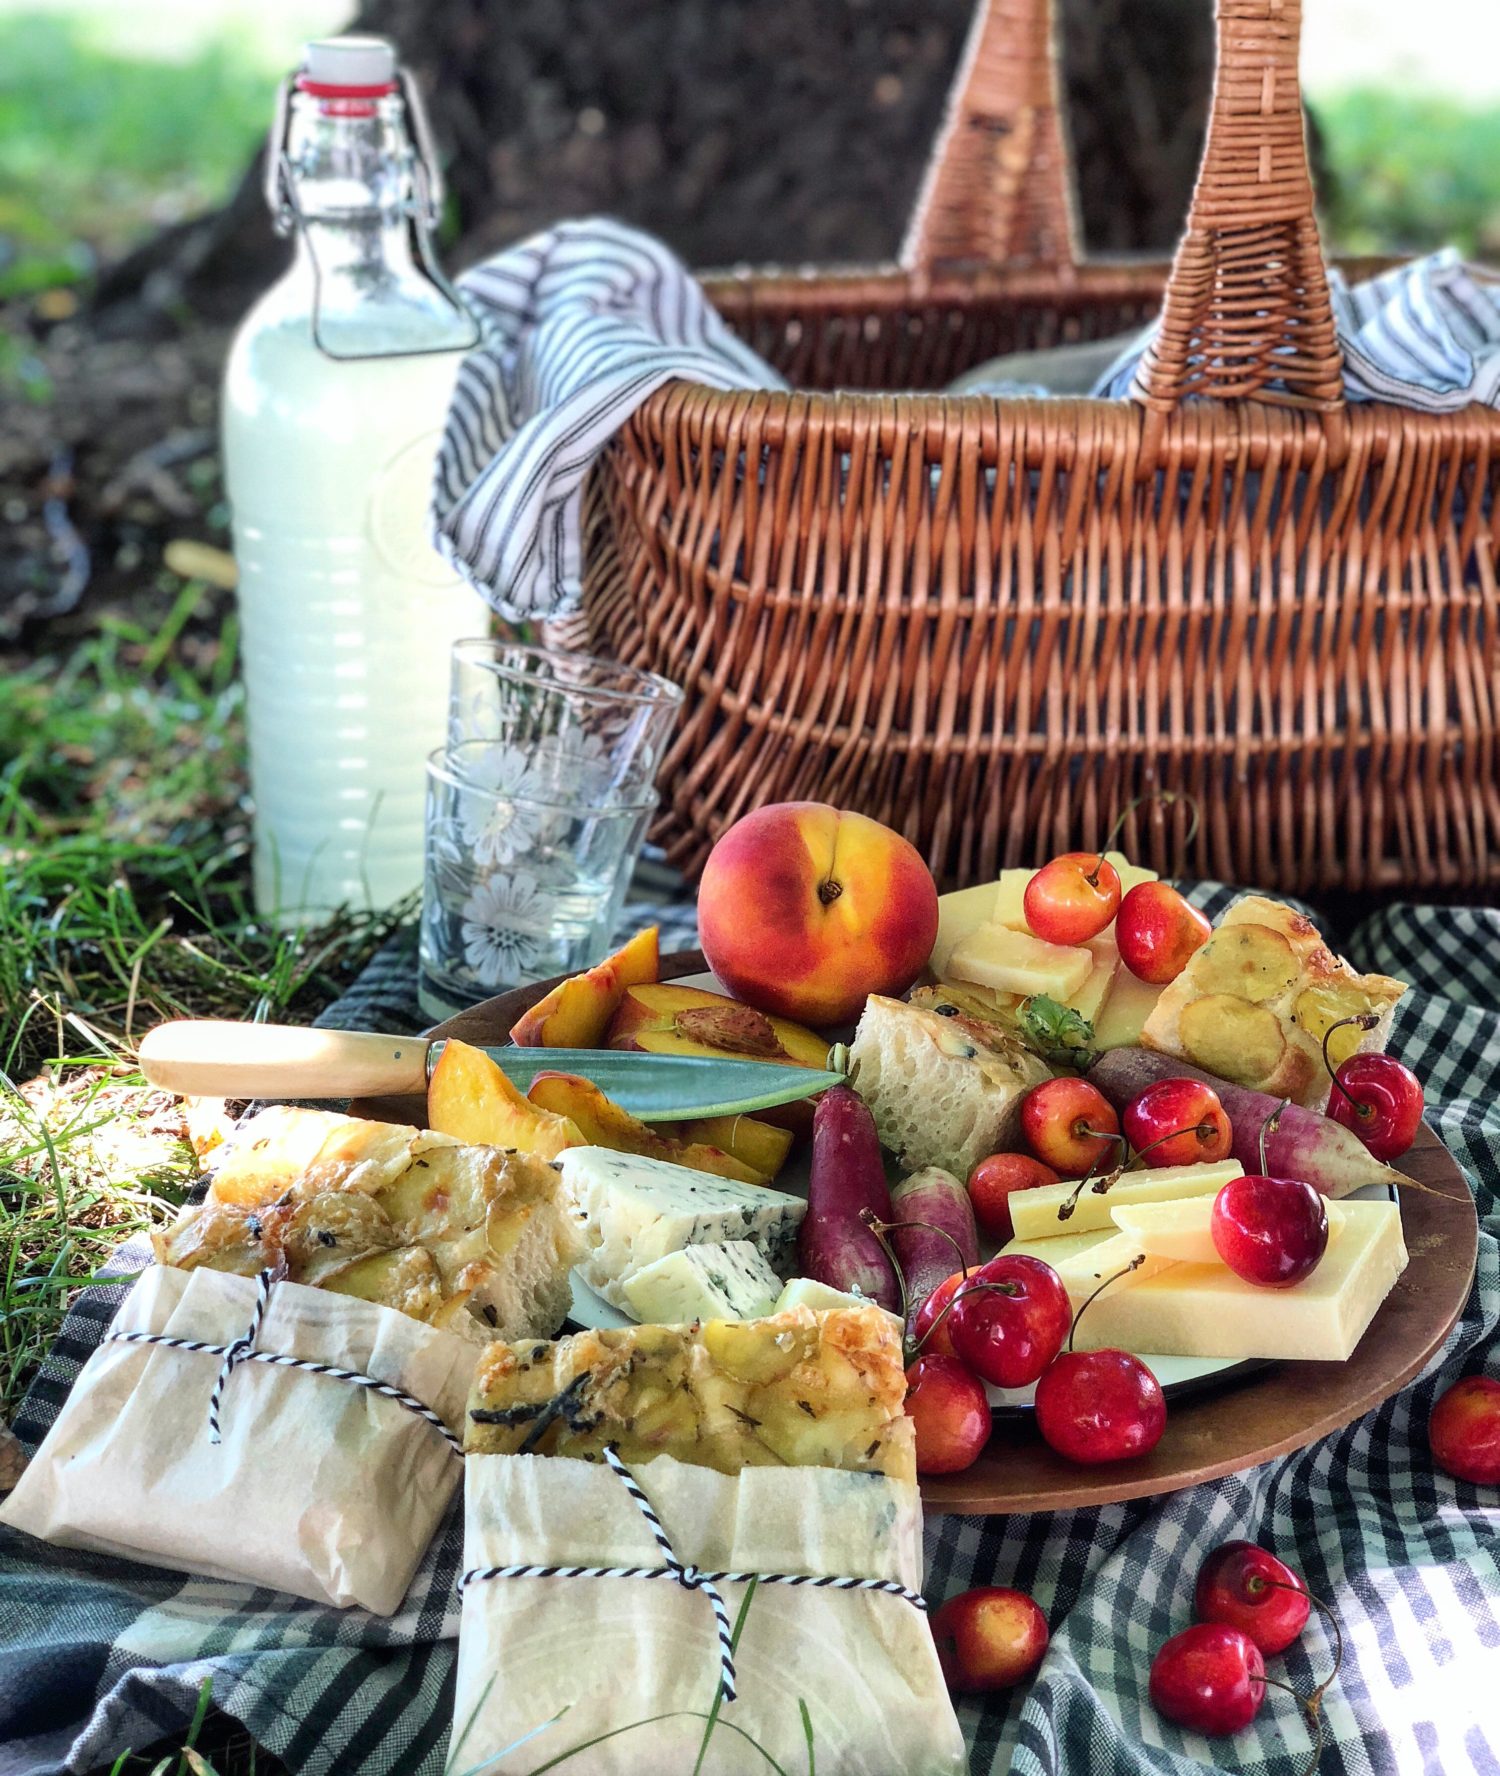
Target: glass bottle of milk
335 395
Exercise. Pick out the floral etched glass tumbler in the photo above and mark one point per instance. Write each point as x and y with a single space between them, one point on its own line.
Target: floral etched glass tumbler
601 723
524 875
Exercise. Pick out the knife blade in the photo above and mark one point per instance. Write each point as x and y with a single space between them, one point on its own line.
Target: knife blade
199 1057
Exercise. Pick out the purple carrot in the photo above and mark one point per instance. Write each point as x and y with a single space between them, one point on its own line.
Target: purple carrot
1305 1145
848 1176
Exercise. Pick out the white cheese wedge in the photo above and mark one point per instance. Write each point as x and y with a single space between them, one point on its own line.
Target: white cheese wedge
1060 1247
1181 1231
1034 1213
728 1282
959 914
1124 1013
1010 899
636 1210
1116 1262
820 1297
1014 962
1205 1310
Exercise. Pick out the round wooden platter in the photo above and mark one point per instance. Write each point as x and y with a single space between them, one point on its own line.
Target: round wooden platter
1239 1422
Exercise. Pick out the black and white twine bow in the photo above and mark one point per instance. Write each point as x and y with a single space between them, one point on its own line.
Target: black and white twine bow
242 1350
690 1577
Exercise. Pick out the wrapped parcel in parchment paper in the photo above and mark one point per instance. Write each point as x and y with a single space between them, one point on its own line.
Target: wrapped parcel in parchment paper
613 1651
319 1487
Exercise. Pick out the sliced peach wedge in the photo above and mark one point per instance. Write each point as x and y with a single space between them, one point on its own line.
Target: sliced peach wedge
469 1098
672 1020
581 1104
577 1011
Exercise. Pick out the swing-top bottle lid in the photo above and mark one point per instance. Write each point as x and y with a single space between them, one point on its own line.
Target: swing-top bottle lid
349 65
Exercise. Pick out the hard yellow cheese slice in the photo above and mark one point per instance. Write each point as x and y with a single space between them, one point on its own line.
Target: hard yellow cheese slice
1181 1230
1060 1247
1114 1263
1035 1214
1014 962
1205 1310
959 914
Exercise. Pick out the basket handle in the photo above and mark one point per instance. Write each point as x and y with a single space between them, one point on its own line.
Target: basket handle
999 186
1247 300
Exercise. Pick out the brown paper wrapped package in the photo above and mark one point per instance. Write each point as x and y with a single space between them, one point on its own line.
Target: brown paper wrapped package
319 1488
617 1651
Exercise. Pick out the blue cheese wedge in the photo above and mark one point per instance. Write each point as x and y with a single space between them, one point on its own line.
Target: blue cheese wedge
635 1211
728 1282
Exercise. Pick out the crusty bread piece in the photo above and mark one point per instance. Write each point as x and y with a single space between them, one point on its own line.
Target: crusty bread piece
1254 1003
797 1389
944 1091
454 1227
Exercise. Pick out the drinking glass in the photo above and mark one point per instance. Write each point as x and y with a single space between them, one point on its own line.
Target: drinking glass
525 873
592 721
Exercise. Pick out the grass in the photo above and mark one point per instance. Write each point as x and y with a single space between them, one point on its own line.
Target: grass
124 899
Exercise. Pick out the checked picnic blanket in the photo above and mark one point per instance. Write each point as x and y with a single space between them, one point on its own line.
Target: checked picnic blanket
100 1656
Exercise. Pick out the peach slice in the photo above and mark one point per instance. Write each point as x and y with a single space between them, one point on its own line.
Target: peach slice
760 1145
469 1098
576 1012
692 1021
580 1103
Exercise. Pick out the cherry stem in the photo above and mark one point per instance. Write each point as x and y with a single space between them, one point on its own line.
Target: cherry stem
1134 1264
1310 1707
1363 1021
1194 1128
1066 1208
1269 1128
1167 797
1259 1581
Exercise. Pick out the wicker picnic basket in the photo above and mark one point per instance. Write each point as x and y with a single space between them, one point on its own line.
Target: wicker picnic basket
991 623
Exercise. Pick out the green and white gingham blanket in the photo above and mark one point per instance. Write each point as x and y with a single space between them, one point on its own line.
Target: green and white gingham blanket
99 1656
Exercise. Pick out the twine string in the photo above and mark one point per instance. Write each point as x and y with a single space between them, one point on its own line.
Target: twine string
690 1577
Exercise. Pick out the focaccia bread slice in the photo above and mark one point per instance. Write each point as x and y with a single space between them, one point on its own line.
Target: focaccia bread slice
798 1389
329 1200
1254 1004
944 1090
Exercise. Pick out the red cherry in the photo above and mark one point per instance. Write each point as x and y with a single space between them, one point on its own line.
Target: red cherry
990 1186
1209 1679
1245 1586
1157 931
1009 1330
1271 1231
1381 1101
1067 1124
951 1412
1464 1431
1100 1406
938 1342
1178 1122
1073 898
989 1638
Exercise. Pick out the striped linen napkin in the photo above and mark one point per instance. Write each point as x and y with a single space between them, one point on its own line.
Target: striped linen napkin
580 324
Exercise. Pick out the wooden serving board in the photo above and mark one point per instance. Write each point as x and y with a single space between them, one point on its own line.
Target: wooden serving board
1235 1422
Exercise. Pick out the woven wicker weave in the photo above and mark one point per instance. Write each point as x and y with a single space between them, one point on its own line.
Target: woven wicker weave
992 623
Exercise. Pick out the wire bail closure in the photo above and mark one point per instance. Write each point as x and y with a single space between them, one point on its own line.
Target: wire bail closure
423 211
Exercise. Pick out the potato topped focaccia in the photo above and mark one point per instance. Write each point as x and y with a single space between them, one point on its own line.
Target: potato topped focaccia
402 1216
1254 1004
799 1389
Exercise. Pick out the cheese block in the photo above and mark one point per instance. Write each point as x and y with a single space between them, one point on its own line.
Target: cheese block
1034 1213
1115 1262
636 1210
1015 962
1129 1004
1060 1246
1181 1230
728 1282
800 1389
1088 1001
960 913
1010 899
1205 1310
820 1297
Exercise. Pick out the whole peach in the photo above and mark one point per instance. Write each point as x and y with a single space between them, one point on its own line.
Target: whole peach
804 910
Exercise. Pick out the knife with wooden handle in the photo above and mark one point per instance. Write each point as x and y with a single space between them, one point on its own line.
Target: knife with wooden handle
206 1058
